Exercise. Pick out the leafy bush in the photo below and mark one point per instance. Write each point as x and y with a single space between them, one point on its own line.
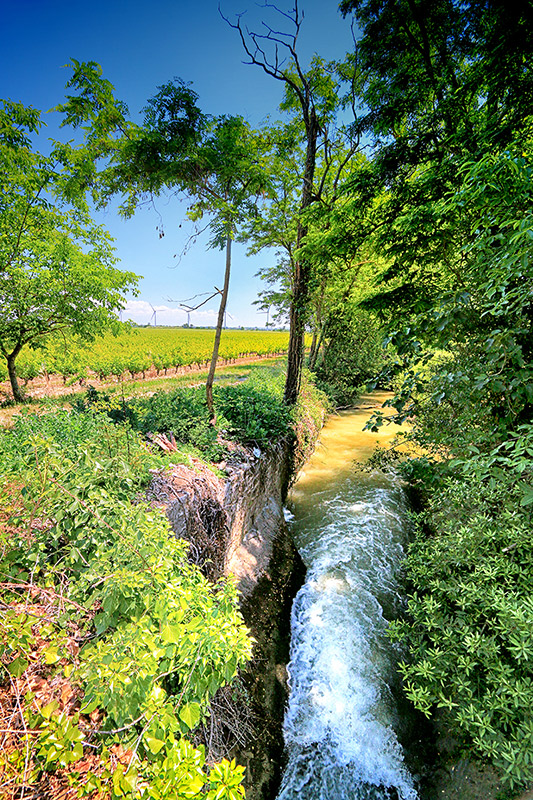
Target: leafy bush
180 412
123 459
252 413
470 614
157 639
352 353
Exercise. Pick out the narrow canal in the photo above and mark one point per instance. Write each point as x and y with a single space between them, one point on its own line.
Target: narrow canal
341 726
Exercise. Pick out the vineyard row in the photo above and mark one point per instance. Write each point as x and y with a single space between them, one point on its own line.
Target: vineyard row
135 351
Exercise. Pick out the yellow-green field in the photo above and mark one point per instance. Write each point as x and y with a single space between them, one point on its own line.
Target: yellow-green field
136 350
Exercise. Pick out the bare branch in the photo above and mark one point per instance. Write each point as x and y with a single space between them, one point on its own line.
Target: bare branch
201 294
24 586
195 308
183 303
294 16
258 56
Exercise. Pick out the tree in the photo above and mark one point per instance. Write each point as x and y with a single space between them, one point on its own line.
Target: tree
447 86
216 162
225 181
56 265
313 100
444 83
337 274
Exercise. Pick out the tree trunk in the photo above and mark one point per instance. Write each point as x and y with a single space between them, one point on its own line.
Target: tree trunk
218 332
314 359
312 349
295 355
300 287
318 330
18 394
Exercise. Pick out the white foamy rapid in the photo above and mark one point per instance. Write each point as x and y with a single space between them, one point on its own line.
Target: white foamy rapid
341 720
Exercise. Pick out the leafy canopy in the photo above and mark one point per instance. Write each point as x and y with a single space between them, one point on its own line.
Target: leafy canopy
56 266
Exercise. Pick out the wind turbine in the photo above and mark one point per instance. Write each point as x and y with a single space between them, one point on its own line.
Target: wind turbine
154 316
188 309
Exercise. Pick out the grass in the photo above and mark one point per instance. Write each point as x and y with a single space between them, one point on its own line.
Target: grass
226 375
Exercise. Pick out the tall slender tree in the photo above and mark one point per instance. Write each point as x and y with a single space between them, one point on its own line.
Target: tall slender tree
216 162
312 98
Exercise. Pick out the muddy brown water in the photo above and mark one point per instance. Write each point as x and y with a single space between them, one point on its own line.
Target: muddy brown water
344 729
349 525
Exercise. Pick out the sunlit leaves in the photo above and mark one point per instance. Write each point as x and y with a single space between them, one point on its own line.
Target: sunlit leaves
470 614
56 266
163 639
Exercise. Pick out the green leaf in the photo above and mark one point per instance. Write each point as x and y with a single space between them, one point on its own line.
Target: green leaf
527 497
172 633
17 667
47 710
195 785
154 744
77 751
51 656
230 669
190 714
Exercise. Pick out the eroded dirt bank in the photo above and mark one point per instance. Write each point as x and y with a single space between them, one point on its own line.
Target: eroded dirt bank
236 526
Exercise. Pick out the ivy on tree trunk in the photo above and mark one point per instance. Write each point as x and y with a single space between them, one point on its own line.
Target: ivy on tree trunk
218 332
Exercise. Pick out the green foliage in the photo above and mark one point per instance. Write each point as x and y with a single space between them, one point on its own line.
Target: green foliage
182 412
60 740
113 456
17 637
254 412
446 88
309 415
352 353
56 266
480 385
470 615
160 640
168 641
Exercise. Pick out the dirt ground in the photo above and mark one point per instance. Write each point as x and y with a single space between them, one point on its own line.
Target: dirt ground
459 778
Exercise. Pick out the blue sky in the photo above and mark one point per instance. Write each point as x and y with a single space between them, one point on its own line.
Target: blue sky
140 46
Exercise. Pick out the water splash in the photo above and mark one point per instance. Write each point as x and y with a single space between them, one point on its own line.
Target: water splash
340 727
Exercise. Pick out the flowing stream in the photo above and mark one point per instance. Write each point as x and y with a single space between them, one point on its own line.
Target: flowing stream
349 525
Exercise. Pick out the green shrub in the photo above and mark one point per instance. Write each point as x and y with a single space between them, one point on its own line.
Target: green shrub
352 354
252 414
179 412
123 457
157 639
469 623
